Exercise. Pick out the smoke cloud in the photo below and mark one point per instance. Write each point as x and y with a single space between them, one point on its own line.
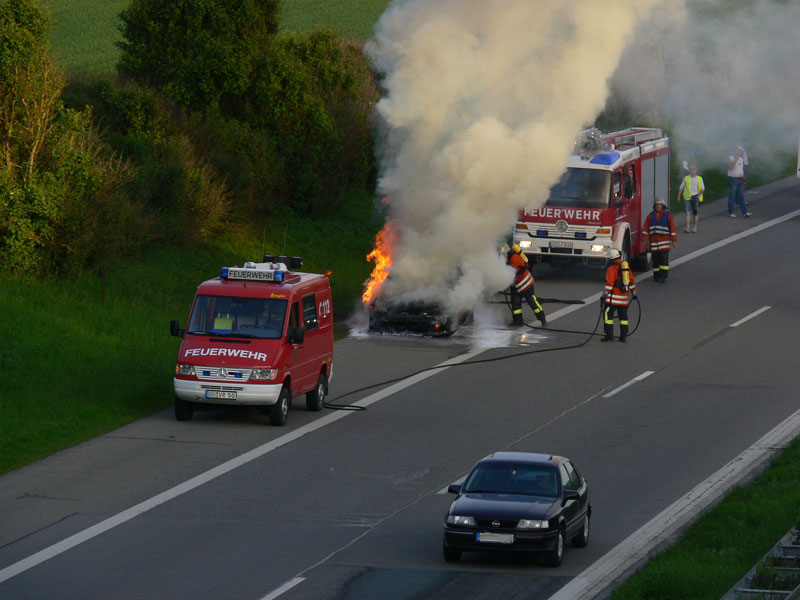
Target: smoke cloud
715 72
482 103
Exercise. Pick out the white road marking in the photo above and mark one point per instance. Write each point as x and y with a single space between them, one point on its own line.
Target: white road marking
127 515
218 471
636 548
641 377
750 316
284 588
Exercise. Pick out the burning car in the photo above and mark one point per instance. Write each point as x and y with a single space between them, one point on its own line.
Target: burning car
417 317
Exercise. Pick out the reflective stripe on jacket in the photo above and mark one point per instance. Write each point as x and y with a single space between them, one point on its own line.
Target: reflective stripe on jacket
660 230
615 295
523 280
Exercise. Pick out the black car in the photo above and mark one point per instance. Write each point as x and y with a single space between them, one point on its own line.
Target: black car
519 501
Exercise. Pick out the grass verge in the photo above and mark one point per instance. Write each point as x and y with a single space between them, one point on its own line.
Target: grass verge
727 541
81 356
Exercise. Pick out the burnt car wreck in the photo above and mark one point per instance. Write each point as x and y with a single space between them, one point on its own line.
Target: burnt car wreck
416 317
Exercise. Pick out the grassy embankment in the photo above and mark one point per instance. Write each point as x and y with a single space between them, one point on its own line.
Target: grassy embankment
76 365
725 543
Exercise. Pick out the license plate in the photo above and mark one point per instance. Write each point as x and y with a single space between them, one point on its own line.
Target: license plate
495 538
221 395
561 244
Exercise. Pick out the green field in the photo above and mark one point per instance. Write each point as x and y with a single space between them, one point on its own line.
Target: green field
85 31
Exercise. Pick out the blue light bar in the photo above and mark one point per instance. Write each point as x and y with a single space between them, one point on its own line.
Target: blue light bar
542 232
580 234
279 275
605 158
223 273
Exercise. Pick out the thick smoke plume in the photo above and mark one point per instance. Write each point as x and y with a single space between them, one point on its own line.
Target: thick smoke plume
715 73
483 101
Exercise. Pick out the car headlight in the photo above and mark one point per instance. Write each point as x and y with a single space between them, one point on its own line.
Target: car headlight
532 524
264 374
525 244
463 521
598 248
184 370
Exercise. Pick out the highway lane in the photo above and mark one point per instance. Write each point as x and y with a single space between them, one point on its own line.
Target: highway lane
353 507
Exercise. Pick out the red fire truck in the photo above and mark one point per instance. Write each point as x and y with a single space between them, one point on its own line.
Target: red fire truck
601 199
257 336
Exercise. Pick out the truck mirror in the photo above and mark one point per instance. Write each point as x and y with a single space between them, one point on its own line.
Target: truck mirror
175 328
296 335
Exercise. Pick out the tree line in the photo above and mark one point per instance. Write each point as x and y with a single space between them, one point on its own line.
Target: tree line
212 119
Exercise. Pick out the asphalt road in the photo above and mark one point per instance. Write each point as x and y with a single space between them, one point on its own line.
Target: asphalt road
348 505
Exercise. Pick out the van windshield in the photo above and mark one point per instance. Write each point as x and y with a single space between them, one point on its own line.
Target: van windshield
582 188
261 318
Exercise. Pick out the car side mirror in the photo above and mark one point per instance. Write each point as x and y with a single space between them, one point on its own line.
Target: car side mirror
175 328
569 495
296 335
454 488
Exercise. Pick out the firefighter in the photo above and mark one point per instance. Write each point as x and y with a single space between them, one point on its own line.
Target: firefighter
620 288
659 235
522 286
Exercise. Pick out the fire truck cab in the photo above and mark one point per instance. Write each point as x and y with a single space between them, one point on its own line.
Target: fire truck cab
600 201
257 336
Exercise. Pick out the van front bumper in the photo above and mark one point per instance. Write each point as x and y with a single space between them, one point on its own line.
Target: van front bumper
263 394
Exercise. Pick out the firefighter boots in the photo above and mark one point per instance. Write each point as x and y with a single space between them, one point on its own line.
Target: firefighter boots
609 333
623 333
517 322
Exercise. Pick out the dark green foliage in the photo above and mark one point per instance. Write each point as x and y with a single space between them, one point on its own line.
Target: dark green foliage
198 51
314 96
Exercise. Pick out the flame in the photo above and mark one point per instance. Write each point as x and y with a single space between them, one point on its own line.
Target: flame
382 258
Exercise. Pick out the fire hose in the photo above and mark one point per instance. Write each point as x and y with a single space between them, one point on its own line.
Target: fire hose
589 335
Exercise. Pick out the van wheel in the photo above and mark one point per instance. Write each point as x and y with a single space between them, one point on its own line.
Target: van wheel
280 410
183 410
315 399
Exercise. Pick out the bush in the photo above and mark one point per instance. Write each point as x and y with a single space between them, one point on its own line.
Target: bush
197 51
314 95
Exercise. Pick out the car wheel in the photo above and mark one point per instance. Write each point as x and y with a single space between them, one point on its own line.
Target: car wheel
280 410
582 539
183 410
315 399
451 555
554 557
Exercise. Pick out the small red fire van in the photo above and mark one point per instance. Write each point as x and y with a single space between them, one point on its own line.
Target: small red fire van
258 336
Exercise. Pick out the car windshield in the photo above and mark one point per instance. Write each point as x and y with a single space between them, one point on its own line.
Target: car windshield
503 478
238 317
582 188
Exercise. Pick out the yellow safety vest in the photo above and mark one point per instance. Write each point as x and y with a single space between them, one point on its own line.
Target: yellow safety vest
687 187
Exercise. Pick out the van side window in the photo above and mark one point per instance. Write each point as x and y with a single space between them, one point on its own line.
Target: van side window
309 312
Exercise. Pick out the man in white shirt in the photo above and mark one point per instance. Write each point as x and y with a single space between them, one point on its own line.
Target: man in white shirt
736 183
691 192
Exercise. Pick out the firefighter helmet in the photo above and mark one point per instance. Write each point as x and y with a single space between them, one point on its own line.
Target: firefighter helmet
613 254
504 248
658 201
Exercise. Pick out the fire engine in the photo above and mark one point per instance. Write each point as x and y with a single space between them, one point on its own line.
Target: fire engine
257 337
600 201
